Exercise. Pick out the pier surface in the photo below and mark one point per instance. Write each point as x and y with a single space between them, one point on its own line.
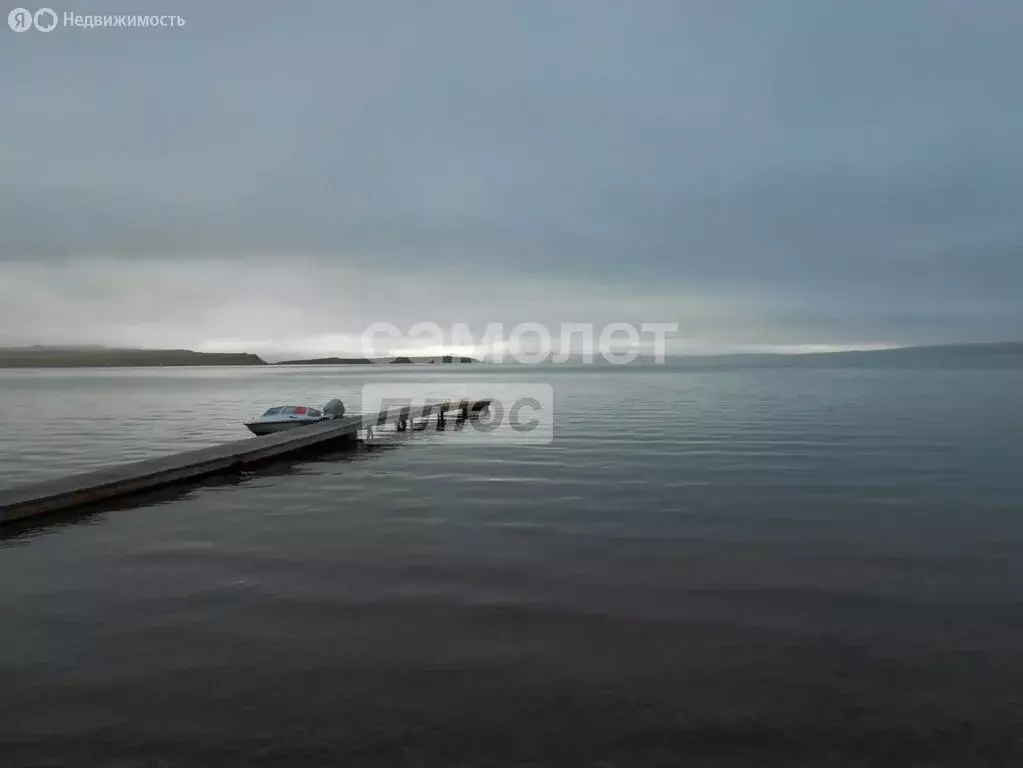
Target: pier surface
118 481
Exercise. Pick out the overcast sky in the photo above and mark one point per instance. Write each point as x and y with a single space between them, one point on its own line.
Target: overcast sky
767 174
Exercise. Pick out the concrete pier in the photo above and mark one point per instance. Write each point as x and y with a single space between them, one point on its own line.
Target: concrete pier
115 482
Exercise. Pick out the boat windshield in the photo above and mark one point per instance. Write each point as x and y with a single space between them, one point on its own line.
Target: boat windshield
297 410
272 411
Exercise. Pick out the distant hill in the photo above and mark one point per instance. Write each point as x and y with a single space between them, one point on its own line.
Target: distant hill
379 361
108 357
994 355
975 355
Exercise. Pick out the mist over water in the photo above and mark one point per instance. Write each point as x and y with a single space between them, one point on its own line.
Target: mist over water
724 567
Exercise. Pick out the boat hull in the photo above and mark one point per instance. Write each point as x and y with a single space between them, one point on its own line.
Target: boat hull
272 427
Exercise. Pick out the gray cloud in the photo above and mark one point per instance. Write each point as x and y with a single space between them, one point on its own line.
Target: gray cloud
799 172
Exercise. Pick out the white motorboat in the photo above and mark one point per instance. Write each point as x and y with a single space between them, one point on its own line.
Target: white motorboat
282 417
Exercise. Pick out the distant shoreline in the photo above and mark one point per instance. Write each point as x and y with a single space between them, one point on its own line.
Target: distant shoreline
1003 353
439 359
93 357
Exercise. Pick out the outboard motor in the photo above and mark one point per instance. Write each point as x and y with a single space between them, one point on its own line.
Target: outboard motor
335 409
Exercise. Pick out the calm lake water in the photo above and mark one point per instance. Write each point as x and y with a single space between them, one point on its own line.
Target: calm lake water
767 567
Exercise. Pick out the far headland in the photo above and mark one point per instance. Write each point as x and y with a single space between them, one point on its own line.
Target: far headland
113 357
